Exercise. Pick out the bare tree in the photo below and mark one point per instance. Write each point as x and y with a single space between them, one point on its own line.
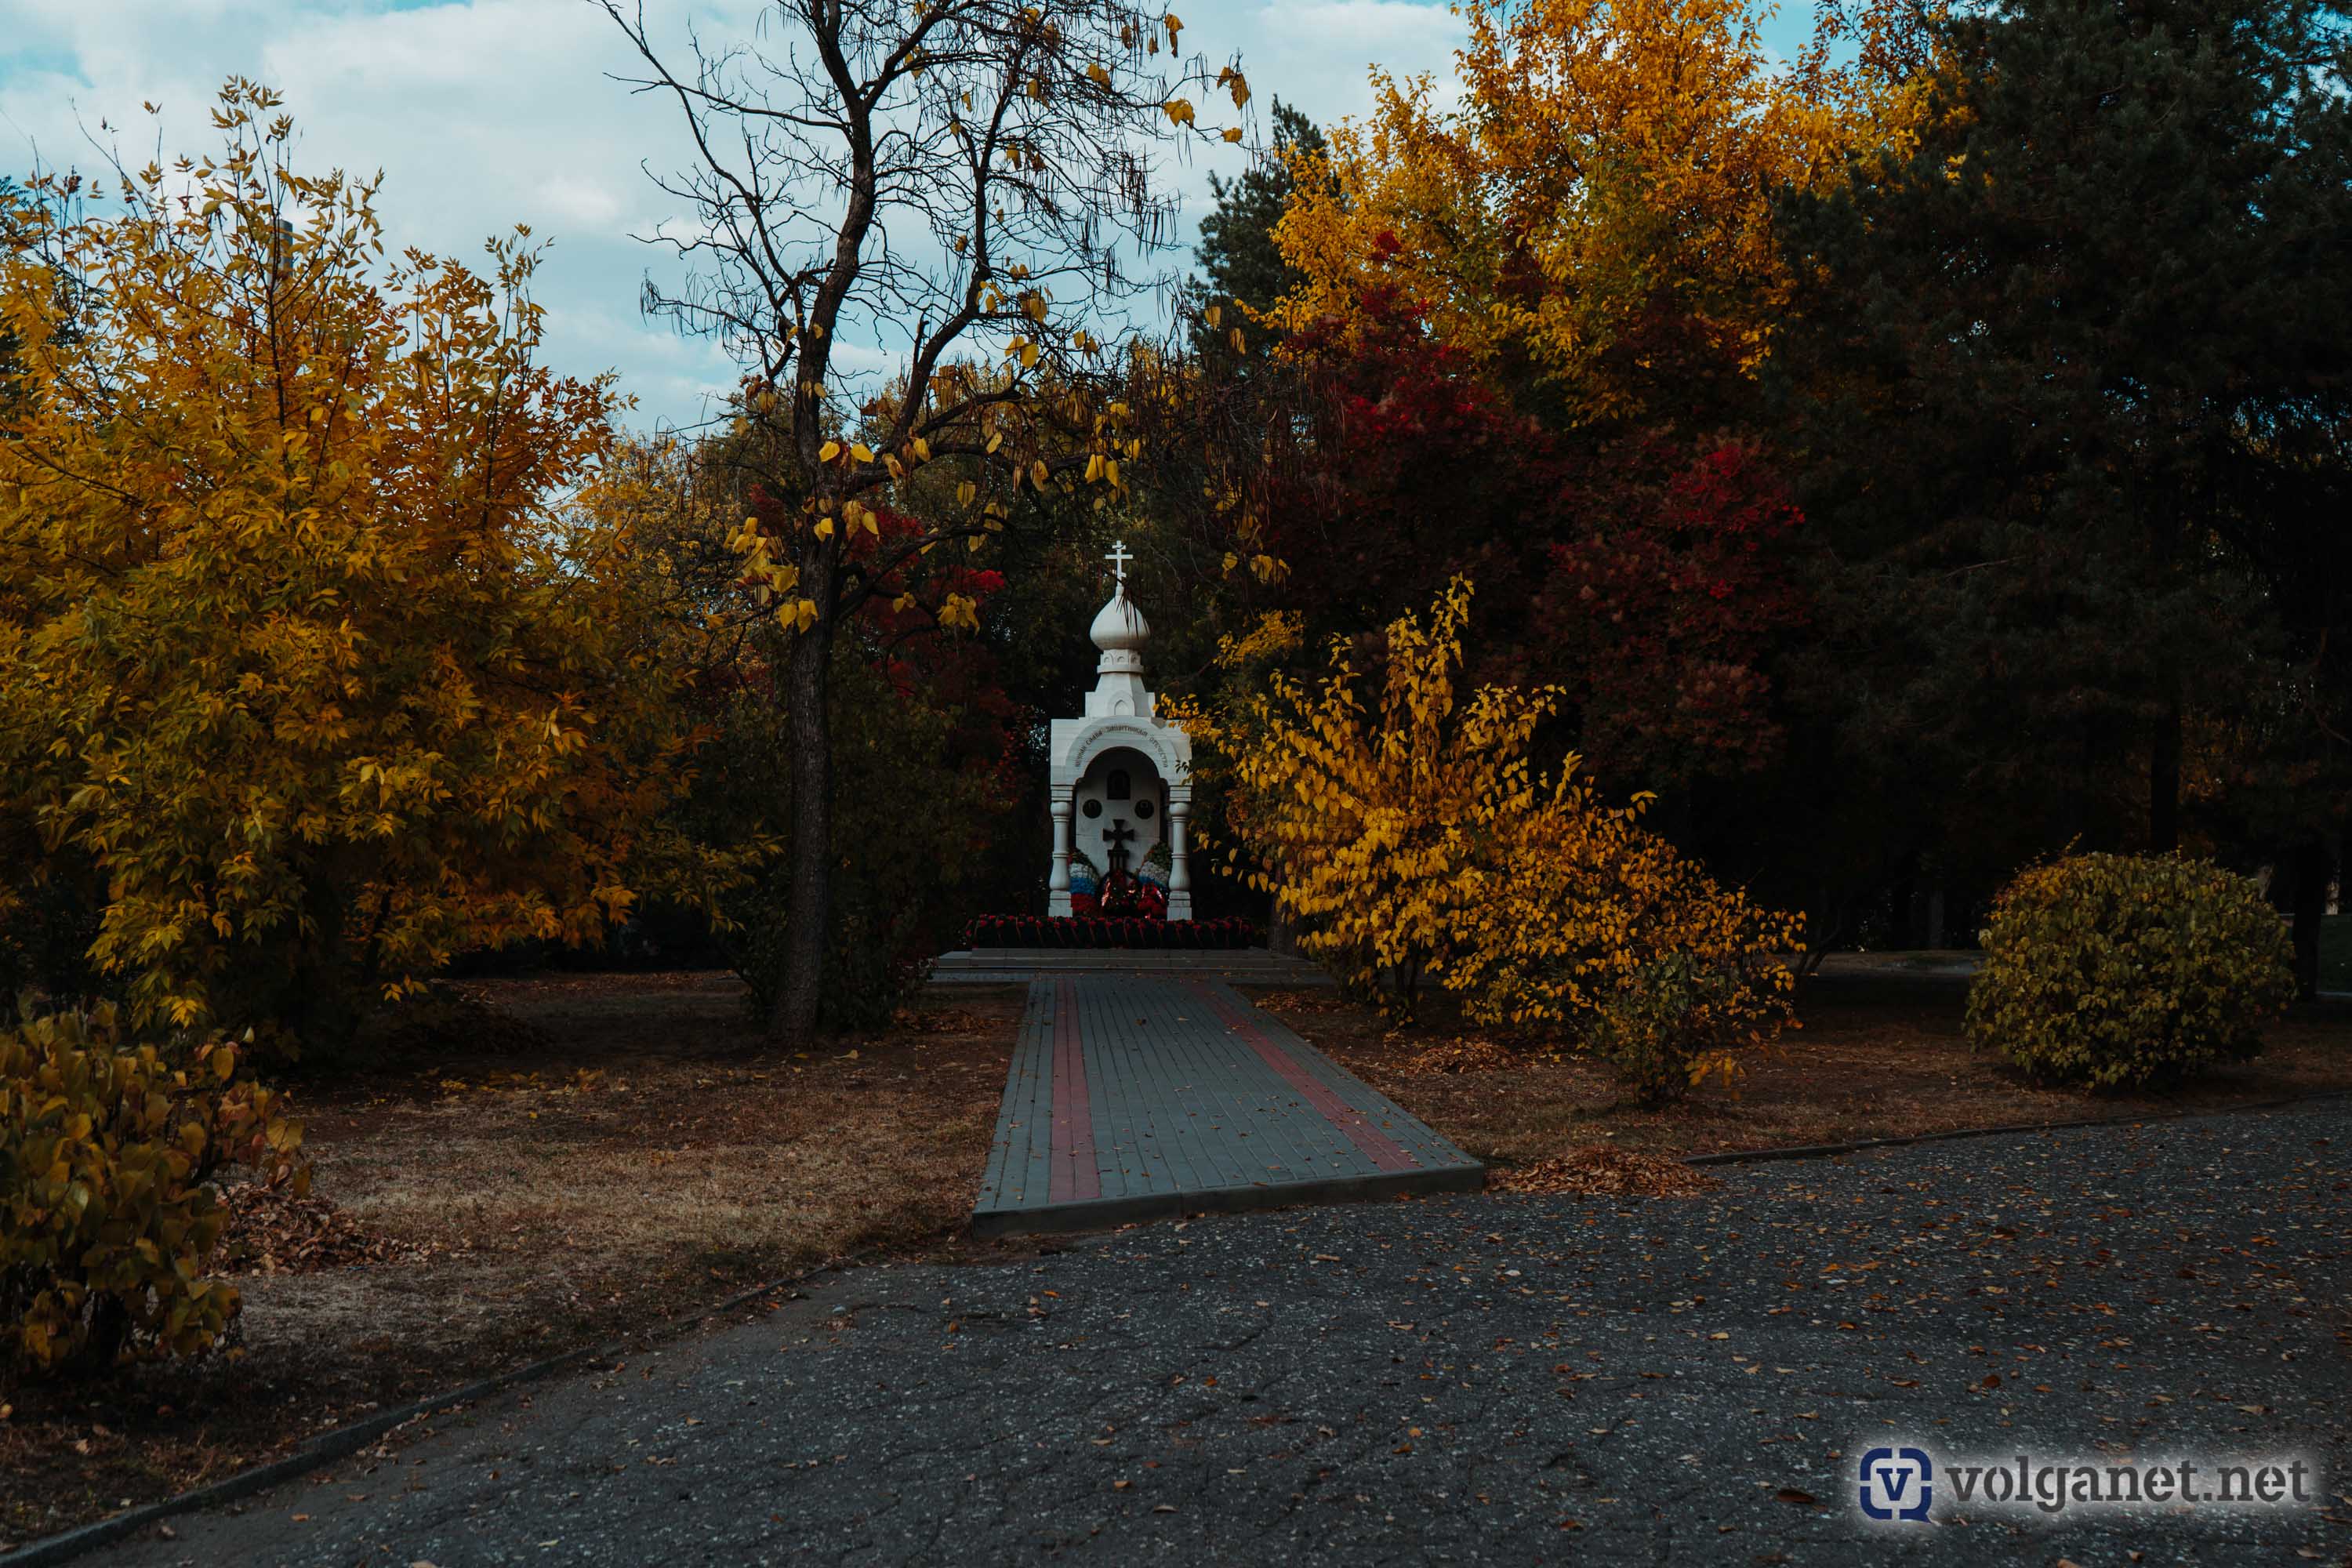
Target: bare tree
969 185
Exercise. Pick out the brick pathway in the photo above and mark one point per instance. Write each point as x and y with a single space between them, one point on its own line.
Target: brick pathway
1145 1096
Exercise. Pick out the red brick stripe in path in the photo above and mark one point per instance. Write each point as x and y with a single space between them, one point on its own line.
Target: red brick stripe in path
1382 1151
1076 1174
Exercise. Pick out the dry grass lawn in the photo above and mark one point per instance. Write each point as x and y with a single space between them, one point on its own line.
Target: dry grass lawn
505 1199
600 1154
1874 1058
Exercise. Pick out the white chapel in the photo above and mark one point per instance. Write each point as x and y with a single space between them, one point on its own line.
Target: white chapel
1122 779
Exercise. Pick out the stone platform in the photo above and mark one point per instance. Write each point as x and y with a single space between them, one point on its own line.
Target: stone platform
1139 1095
1239 965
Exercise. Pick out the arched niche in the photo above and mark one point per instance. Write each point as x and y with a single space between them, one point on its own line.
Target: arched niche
1121 799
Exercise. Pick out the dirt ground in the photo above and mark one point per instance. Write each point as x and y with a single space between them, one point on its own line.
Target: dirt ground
635 1152
611 1153
1876 1058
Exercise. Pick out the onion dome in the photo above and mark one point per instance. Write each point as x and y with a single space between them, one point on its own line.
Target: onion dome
1119 627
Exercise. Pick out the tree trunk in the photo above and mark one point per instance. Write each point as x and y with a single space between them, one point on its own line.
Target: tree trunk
2314 865
110 1330
1281 933
809 910
1902 922
2164 752
2164 774
2081 803
324 997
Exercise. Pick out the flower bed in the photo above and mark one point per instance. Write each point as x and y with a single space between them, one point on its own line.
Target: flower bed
1083 930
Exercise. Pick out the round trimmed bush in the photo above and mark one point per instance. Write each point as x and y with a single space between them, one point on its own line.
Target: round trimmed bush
2115 971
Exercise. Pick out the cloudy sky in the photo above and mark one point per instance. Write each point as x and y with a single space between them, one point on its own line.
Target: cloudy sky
485 113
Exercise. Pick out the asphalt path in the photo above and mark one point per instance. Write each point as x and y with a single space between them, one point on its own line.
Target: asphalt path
1482 1379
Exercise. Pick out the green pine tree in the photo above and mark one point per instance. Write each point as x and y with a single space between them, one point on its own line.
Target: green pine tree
1239 261
2071 382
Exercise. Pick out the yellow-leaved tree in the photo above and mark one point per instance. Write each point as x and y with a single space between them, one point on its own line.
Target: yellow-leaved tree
319 639
1600 203
965 186
1408 833
1368 818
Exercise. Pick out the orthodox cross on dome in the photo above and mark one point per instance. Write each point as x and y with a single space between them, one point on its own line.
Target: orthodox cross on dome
1118 558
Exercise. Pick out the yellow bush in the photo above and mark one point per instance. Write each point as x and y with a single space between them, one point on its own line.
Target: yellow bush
1373 825
1592 922
109 1207
2114 971
1411 840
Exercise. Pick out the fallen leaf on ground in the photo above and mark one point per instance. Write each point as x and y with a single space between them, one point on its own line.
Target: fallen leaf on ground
1607 1171
271 1231
1304 1002
1470 1053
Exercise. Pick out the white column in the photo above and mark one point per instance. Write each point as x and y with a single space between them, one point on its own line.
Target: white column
1180 871
1058 886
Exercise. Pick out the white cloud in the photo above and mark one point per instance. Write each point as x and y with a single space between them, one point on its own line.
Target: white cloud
494 113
